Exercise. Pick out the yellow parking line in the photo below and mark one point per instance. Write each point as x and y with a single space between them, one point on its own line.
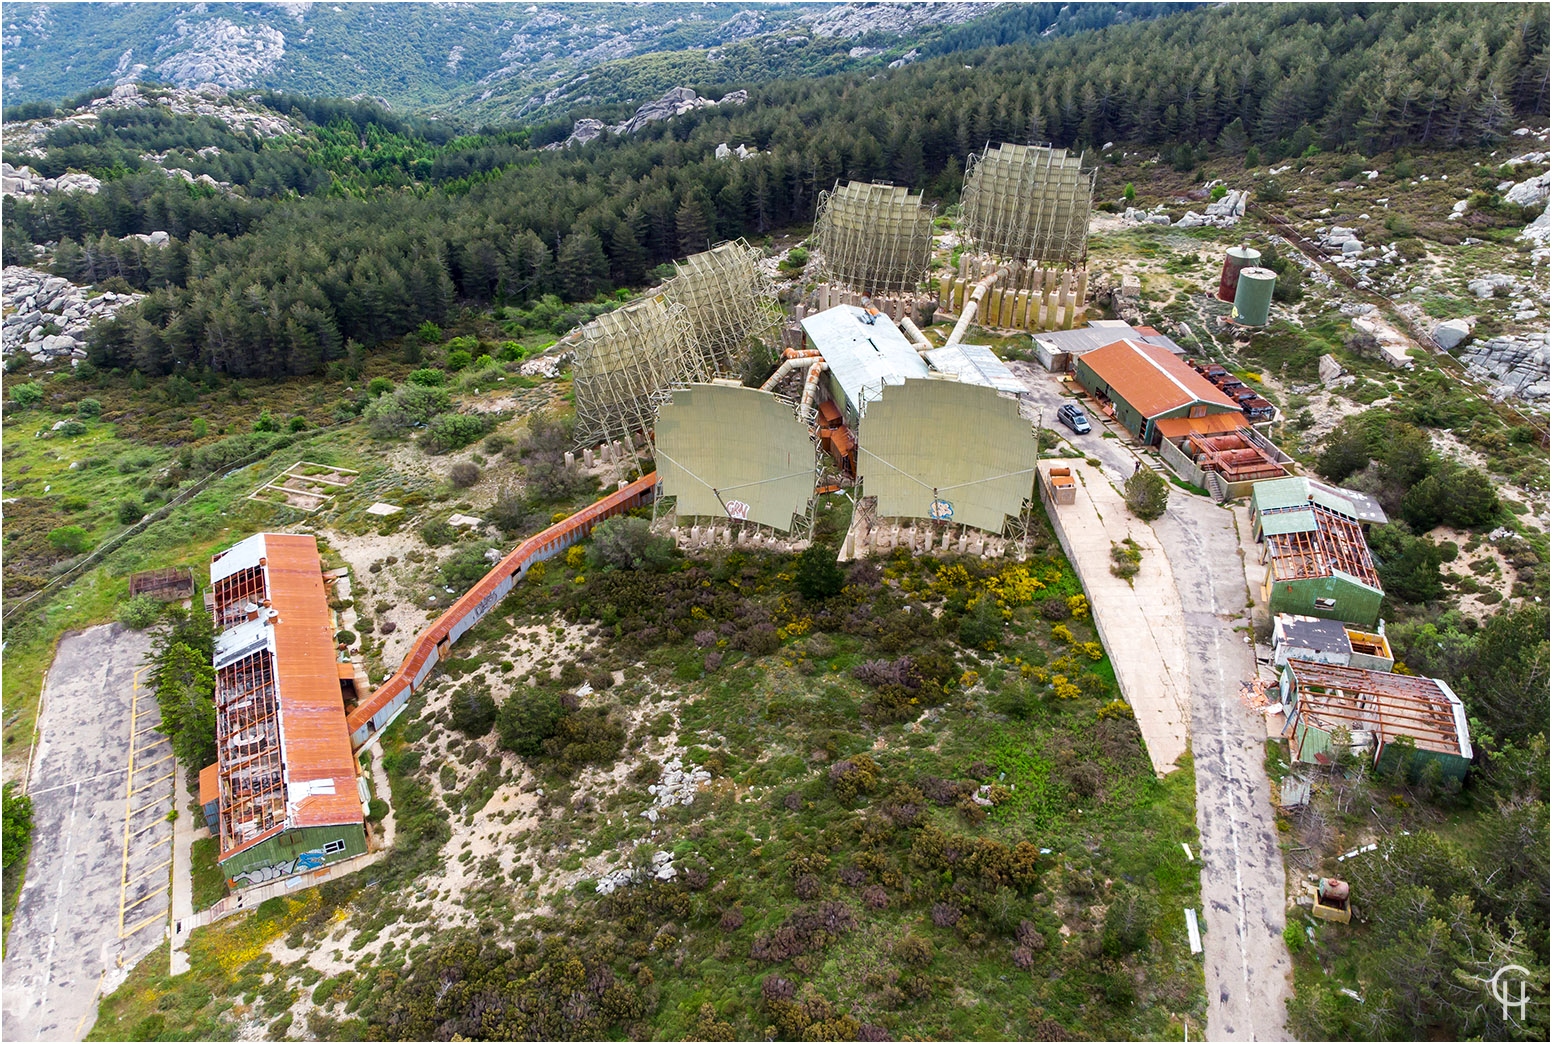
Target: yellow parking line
160 866
151 825
145 923
91 1007
142 808
148 895
158 761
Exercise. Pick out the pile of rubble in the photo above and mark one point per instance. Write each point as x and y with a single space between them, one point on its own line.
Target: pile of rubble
677 787
1514 365
40 300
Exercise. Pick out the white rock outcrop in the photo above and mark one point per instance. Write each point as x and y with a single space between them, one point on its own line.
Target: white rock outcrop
34 301
1452 332
1531 193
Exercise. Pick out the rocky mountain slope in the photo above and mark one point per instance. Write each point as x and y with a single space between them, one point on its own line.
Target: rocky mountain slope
487 61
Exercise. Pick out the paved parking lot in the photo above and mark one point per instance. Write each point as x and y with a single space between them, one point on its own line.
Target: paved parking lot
95 898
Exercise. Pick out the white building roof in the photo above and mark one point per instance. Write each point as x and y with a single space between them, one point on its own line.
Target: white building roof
241 555
975 364
864 352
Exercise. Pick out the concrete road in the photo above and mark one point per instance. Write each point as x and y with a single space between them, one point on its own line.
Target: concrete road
99 833
1047 392
1248 972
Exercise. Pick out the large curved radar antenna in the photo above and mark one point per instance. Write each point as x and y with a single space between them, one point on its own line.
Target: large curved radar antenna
727 302
946 451
729 452
625 363
873 237
1028 203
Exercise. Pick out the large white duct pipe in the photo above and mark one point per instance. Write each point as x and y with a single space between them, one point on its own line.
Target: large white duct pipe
810 386
913 332
973 305
787 366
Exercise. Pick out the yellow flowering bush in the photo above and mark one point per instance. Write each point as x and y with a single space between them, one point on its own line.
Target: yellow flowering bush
968 679
1093 650
576 557
1065 690
1078 606
1061 634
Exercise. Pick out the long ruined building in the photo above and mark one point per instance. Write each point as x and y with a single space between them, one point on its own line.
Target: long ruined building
288 801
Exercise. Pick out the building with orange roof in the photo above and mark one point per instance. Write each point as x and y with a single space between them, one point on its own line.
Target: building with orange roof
1140 384
287 796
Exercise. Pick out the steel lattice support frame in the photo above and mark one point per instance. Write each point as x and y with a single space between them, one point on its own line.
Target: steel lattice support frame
726 302
1028 203
253 798
873 237
625 364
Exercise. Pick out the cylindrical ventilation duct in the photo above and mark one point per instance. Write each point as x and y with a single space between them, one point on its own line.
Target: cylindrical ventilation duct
1253 297
1236 260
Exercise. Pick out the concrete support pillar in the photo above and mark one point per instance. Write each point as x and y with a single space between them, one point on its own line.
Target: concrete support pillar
1021 311
945 288
587 458
571 458
1005 318
946 537
963 542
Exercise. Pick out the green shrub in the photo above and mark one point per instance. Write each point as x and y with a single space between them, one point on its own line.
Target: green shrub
130 512
15 824
27 395
454 431
457 360
70 540
527 719
266 423
1147 494
428 377
437 532
71 428
88 408
629 543
429 333
818 575
139 612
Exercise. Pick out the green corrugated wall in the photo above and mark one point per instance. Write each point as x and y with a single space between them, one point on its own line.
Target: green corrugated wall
287 846
1355 604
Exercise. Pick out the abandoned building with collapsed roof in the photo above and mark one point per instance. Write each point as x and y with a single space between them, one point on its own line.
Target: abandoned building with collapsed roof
1387 718
1313 544
285 782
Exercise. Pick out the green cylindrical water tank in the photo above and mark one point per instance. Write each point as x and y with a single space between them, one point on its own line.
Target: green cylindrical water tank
1236 260
1253 297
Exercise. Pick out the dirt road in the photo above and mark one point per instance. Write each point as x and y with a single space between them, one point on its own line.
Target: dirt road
1247 966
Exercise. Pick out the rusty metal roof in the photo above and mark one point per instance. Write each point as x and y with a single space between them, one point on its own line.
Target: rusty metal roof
1387 704
289 639
1152 380
209 787
1173 428
319 767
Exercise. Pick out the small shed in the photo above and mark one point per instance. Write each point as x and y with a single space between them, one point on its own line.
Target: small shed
165 585
1059 485
210 795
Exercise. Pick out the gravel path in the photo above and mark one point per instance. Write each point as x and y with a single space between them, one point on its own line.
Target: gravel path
1249 975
